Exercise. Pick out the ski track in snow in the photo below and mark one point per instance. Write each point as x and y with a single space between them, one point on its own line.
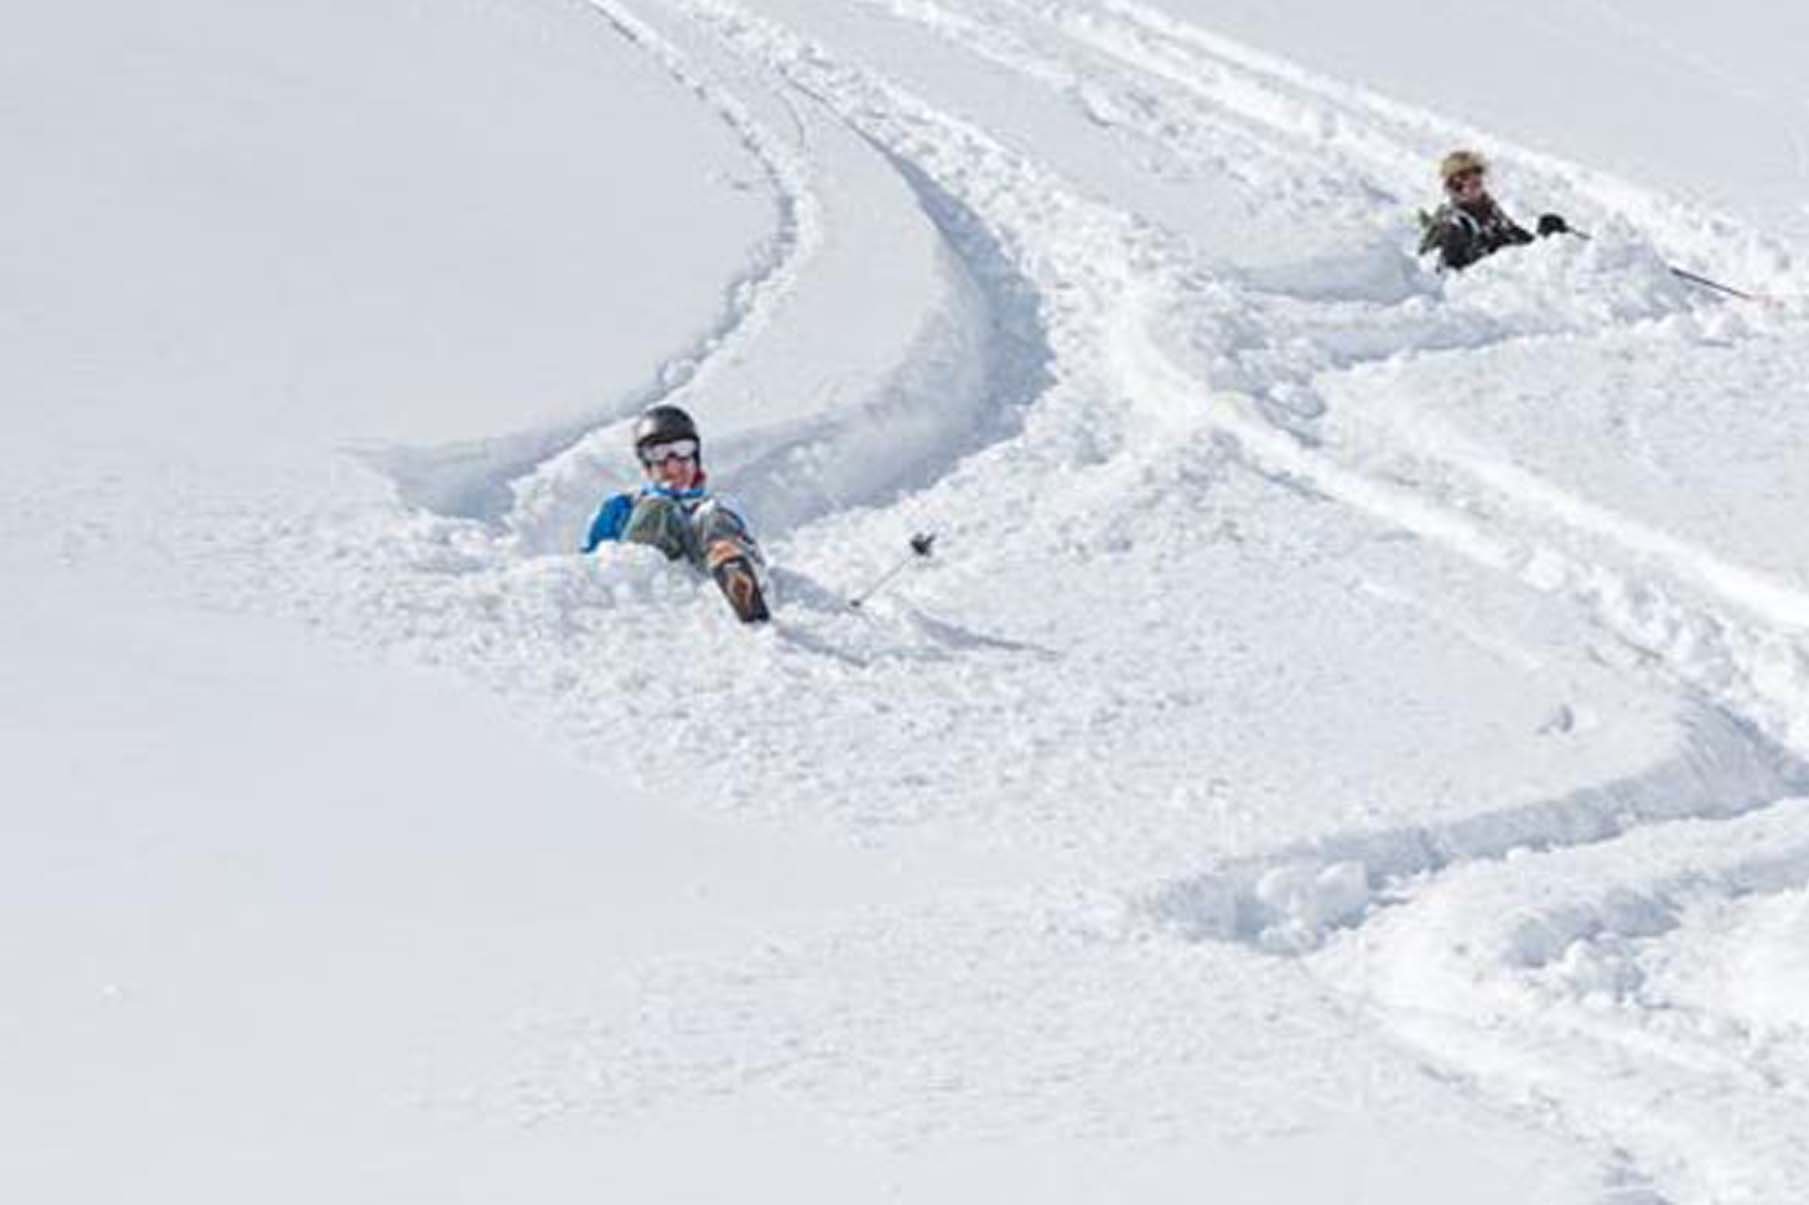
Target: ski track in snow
976 358
1544 957
491 480
1111 343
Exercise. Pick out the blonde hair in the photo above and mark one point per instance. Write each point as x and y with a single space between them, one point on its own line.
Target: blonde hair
1459 162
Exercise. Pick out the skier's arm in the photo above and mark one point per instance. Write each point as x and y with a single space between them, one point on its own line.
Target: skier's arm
611 518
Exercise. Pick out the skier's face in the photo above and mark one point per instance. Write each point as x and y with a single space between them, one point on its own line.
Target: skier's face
1467 186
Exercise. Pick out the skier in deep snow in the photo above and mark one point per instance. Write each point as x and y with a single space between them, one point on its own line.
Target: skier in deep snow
675 512
1470 225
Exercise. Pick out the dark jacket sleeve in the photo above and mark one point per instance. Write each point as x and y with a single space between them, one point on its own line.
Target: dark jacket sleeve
1462 243
1458 247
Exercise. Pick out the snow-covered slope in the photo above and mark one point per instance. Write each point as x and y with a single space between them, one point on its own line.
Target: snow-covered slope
1703 102
1353 720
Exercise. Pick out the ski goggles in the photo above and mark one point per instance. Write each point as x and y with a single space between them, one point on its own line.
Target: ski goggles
677 449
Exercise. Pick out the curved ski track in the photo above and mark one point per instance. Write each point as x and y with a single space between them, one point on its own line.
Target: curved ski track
1126 325
485 479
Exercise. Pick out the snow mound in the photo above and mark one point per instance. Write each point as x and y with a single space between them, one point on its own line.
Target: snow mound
1382 272
1566 286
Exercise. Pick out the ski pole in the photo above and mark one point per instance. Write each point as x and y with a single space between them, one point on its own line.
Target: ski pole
921 543
1693 278
1706 283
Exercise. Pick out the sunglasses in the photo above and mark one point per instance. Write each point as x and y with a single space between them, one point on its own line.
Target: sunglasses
1464 177
678 449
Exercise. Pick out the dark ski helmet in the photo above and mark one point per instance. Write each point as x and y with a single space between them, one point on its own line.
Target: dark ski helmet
662 424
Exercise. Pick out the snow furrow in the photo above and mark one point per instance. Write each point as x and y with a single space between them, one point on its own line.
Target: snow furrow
1528 975
1289 899
964 363
565 483
976 363
504 478
1767 600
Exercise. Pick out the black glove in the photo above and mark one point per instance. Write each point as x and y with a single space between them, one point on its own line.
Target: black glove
1551 223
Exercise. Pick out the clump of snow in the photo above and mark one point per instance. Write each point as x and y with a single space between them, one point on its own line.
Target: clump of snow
1742 964
1771 980
1383 273
1603 968
625 574
1560 285
1304 900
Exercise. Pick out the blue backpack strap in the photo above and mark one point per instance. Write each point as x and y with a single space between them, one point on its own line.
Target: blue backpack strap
611 519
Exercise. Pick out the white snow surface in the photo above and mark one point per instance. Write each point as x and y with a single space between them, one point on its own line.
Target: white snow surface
1348 743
